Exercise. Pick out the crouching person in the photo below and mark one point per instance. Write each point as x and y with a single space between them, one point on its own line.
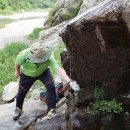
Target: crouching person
34 64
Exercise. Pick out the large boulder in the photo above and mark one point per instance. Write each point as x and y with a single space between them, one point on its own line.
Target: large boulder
10 91
87 4
63 10
81 120
98 44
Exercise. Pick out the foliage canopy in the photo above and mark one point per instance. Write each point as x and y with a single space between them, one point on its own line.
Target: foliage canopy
8 6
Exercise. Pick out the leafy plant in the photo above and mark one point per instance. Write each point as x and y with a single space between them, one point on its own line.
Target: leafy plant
102 104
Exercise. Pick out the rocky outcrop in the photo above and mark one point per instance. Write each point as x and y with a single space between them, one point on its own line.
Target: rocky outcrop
63 10
99 55
58 123
51 36
10 92
33 109
32 118
98 42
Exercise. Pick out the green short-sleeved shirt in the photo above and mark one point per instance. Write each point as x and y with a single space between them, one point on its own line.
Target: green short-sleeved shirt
34 70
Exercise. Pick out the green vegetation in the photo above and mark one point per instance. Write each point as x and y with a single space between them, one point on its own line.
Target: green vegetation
102 105
65 13
50 16
35 34
8 6
99 93
7 61
72 12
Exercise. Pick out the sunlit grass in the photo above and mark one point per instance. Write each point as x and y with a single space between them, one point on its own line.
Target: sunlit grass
7 63
35 34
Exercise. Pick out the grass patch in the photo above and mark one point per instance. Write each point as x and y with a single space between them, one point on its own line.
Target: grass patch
35 34
7 61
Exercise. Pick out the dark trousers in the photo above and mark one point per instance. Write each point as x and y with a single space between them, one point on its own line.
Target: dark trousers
26 82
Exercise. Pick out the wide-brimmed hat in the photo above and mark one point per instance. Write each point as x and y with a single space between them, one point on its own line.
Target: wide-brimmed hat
38 53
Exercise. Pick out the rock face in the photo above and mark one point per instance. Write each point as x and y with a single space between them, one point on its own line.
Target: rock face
99 54
51 36
87 4
58 123
84 121
32 110
63 10
98 42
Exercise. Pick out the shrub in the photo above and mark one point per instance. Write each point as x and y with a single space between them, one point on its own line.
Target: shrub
17 5
3 4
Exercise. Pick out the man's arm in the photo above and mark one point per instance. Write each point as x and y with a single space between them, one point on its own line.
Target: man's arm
17 70
61 72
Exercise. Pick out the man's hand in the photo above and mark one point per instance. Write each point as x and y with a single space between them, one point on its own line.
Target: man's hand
17 74
17 70
74 86
61 72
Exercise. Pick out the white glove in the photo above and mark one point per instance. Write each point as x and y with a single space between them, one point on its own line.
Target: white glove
75 87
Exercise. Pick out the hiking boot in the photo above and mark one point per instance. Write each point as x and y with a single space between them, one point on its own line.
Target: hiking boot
17 114
51 114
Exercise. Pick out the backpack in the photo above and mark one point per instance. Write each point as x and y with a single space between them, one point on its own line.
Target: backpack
59 88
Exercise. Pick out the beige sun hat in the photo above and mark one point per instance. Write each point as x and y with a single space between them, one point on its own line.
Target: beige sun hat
39 53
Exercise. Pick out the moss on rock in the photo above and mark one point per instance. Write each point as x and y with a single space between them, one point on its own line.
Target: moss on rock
63 12
72 11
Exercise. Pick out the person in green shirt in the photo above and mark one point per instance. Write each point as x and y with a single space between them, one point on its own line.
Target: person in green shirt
34 64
